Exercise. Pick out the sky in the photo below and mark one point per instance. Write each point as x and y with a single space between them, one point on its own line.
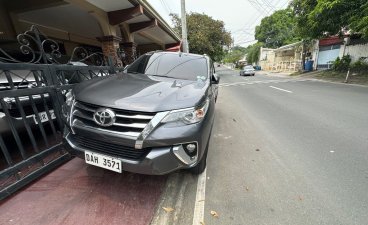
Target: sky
240 16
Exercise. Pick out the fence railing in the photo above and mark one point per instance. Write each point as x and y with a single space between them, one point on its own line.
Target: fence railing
32 91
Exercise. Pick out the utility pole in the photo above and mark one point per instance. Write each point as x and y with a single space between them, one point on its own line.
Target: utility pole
184 27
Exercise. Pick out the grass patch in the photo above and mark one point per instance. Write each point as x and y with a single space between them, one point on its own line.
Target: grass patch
296 73
331 74
337 76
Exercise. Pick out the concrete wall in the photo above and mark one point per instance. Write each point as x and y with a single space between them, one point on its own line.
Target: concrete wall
355 51
267 57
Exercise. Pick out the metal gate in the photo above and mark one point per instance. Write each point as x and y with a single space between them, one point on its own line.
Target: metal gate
32 91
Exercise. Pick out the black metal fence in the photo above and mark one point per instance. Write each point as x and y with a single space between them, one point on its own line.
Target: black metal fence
32 91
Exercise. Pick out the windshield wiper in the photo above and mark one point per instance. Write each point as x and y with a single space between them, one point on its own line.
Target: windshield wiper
162 76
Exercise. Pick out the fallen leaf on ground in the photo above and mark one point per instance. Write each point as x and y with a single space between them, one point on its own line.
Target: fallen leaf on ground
214 214
257 150
168 209
246 188
202 200
234 120
202 223
301 198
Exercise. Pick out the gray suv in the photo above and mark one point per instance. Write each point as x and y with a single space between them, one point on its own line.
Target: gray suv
154 118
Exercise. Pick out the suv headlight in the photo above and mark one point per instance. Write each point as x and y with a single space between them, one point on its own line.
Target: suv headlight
187 116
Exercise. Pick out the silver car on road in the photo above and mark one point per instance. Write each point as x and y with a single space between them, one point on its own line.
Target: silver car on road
247 71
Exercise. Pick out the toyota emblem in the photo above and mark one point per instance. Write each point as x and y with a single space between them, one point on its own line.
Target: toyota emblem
104 117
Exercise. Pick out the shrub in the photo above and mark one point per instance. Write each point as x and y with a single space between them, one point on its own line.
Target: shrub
360 66
342 64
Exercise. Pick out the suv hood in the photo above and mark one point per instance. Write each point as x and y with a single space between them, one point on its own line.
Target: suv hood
139 92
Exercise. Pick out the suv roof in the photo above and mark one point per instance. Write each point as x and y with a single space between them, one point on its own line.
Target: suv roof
176 53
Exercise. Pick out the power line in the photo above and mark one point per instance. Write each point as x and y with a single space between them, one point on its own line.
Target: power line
166 7
264 8
259 7
287 2
269 4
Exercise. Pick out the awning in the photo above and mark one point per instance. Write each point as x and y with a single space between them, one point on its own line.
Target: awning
175 48
330 41
288 47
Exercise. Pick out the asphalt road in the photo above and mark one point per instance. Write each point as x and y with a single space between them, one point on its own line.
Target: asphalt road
283 151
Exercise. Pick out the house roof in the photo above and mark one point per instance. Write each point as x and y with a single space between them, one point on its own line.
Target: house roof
331 41
289 47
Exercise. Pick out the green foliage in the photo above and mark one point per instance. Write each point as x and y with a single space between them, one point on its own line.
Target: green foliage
359 21
301 10
205 35
240 48
277 29
360 66
253 52
236 54
342 64
319 18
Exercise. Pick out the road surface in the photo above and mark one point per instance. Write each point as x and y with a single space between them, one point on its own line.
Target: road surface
283 151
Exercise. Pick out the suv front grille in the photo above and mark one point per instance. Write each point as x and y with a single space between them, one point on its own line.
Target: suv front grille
127 122
109 148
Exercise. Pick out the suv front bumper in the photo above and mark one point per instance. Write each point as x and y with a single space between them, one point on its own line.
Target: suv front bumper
165 154
159 161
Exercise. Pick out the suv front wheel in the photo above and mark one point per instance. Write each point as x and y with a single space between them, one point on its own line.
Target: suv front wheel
201 166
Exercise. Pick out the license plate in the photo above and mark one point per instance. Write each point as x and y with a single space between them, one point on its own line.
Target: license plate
43 116
103 161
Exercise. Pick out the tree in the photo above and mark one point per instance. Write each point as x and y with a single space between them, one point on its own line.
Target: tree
253 52
205 35
236 54
277 29
359 22
301 10
319 18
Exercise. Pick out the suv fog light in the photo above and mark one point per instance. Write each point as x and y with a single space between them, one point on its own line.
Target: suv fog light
190 149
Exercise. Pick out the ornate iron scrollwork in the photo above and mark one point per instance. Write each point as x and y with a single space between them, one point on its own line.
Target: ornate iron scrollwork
81 54
35 47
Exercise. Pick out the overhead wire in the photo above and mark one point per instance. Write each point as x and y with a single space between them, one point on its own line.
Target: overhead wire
166 7
268 9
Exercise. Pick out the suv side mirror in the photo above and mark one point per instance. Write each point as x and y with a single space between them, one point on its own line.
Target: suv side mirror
215 79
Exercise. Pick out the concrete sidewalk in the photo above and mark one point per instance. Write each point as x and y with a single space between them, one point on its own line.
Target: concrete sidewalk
275 74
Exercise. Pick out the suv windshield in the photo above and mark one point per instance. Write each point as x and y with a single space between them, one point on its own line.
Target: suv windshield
173 65
248 67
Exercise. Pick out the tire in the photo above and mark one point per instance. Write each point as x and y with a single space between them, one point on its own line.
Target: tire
201 166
